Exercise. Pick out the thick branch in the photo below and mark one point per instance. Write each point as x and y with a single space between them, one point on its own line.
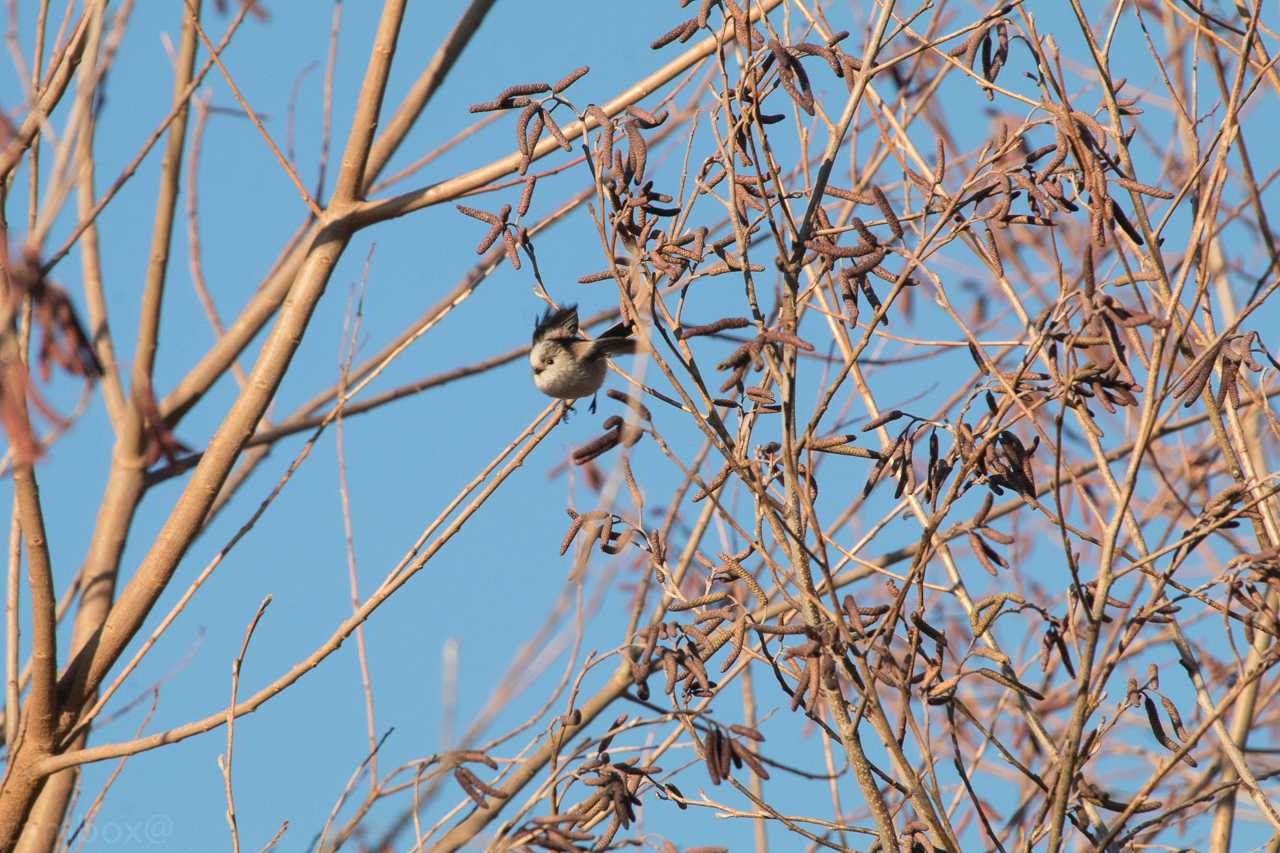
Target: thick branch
355 156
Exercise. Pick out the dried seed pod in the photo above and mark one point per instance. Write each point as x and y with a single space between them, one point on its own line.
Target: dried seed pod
483 216
522 128
927 629
994 248
715 483
1011 683
825 247
523 89
509 243
645 118
606 530
569 79
466 780
512 96
815 685
824 52
622 170
735 569
526 195
606 134
1037 153
477 756
686 332
596 447
863 231
793 78
882 419
878 471
574 526
1143 189
1157 730
978 359
1060 147
967 50
485 787
701 644
787 338
943 692
1125 225
1174 718
987 610
1196 379
489 239
846 195
639 151
711 755
890 217
748 757
632 402
1094 136
985 553
869 263
739 642
556 132
725 755
996 535
738 358
698 671
700 601
676 32
801 686
1090 280
830 441
991 654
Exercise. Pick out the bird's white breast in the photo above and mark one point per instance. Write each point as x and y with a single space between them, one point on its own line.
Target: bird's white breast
566 378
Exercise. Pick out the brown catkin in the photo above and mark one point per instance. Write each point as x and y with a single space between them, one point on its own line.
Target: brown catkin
868 263
531 140
639 150
847 195
824 247
556 132
994 248
483 216
890 217
670 35
1144 189
570 78
509 242
489 239
526 195
523 89
712 328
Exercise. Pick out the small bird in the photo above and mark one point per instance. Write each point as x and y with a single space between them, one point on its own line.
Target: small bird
567 365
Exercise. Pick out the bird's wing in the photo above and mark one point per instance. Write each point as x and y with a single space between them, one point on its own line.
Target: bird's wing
560 323
616 346
616 340
605 346
618 330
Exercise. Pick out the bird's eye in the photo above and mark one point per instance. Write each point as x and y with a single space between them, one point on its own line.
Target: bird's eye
551 359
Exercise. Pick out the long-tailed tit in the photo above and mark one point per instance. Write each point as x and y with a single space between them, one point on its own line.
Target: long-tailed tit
567 365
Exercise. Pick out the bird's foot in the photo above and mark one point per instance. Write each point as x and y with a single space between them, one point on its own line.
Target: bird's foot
594 398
